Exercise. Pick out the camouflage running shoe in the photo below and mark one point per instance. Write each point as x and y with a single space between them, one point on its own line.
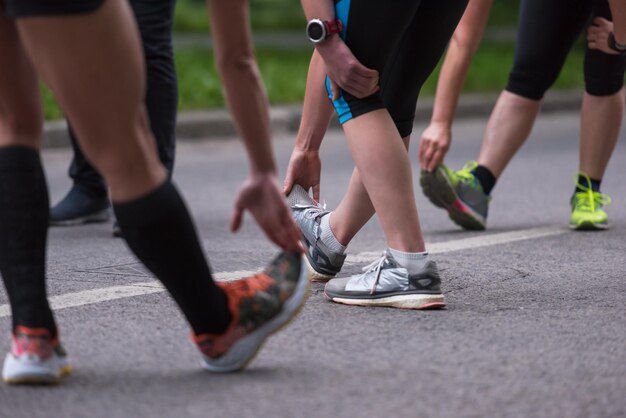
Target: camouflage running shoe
460 193
35 358
260 305
587 208
386 283
323 263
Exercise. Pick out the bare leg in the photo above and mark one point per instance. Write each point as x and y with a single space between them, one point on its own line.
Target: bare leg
600 122
508 128
355 209
120 143
385 171
20 105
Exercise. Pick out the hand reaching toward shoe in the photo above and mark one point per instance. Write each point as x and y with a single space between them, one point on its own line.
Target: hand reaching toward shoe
304 169
261 196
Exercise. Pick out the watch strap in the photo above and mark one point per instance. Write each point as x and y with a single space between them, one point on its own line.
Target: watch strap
616 46
333 26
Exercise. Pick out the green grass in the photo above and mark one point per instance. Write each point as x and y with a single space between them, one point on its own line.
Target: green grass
284 73
492 63
286 15
265 15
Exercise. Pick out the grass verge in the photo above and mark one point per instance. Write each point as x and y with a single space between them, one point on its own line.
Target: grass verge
284 73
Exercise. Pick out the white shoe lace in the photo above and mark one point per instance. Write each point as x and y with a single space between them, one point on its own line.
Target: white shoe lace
376 267
311 212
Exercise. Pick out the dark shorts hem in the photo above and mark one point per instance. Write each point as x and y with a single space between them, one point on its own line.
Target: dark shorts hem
36 8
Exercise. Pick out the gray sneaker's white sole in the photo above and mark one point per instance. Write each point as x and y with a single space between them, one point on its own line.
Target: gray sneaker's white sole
396 301
244 350
315 276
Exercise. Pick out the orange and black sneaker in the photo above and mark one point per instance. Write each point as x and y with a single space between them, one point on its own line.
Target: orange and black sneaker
35 358
260 305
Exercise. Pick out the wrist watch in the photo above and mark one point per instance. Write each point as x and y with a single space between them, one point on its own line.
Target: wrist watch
616 46
317 30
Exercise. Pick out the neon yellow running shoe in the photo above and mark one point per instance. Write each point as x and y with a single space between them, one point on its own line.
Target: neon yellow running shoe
587 208
458 192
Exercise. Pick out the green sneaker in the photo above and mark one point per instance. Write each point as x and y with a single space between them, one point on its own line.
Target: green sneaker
587 208
459 193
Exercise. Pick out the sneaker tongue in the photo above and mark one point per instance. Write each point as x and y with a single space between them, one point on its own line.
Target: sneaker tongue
299 196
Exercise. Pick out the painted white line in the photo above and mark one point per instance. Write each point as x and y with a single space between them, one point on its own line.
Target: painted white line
87 297
474 242
104 294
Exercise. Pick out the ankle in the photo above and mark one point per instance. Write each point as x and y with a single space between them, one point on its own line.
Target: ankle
412 261
328 237
485 177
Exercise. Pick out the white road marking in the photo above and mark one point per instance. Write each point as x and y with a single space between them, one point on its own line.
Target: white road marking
87 297
474 242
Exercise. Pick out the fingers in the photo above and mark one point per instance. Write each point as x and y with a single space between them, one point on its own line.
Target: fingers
236 219
427 154
285 233
436 159
316 192
288 183
600 21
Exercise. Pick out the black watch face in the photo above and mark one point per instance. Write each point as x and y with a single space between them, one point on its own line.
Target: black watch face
315 31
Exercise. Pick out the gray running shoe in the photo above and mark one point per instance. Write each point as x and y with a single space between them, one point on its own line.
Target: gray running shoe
386 283
459 193
323 263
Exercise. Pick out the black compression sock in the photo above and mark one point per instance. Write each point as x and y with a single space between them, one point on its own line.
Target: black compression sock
24 215
159 230
485 177
587 182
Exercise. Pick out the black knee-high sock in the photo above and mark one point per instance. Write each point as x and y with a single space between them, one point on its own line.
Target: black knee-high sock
24 215
159 230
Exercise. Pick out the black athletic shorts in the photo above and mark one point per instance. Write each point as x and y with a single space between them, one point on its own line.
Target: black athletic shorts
402 39
547 30
33 8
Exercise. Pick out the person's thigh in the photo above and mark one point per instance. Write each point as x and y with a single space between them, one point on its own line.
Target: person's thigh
414 60
547 29
372 30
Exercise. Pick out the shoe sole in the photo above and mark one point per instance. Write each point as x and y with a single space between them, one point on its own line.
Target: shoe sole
438 189
315 276
418 302
96 217
39 379
248 347
589 226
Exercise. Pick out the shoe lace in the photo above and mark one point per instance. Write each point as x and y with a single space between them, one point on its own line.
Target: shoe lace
465 174
376 267
589 200
312 211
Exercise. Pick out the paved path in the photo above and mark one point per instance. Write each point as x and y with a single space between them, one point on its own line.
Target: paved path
535 327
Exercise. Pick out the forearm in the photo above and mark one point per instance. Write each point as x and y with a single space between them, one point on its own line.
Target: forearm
618 10
450 84
317 109
245 94
463 46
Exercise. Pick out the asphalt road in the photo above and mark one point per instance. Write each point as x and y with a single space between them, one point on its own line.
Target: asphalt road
535 324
